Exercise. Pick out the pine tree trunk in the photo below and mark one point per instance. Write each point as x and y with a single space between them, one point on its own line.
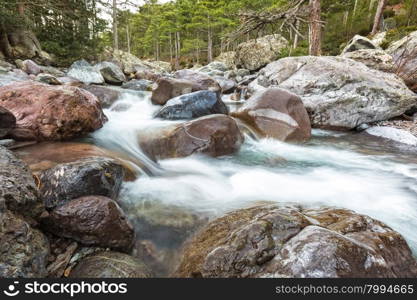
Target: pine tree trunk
210 47
378 16
128 38
315 28
115 25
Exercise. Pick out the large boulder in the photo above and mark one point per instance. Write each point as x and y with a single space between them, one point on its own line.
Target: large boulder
93 221
110 265
106 95
111 73
337 92
228 86
213 135
257 53
359 42
168 88
288 241
7 122
277 113
85 72
203 81
23 250
90 176
18 191
404 53
192 106
373 58
45 112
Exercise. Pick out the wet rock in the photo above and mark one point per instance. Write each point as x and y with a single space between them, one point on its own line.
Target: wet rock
227 85
23 250
145 74
193 105
168 88
257 53
106 95
111 73
138 85
277 113
373 58
357 43
85 177
92 220
54 113
287 241
202 81
48 79
84 72
30 67
404 53
110 265
18 191
7 122
213 135
44 156
338 93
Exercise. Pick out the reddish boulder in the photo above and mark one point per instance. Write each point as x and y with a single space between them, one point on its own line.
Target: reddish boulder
31 68
205 82
278 114
51 113
93 220
213 135
168 88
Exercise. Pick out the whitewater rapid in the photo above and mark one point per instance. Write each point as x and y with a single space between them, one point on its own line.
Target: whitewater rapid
334 169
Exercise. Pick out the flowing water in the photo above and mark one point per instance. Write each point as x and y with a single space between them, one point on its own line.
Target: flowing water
369 175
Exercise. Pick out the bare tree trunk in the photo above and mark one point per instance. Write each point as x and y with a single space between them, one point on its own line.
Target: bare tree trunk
315 28
115 25
412 10
210 47
128 37
171 56
378 16
297 27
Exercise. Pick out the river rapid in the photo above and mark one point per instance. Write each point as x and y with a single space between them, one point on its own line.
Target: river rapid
369 175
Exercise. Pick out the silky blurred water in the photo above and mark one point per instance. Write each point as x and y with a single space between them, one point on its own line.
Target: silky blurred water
369 175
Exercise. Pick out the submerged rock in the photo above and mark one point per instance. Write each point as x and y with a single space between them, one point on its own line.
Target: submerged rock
257 53
110 265
277 113
7 122
191 106
359 42
18 191
84 72
338 93
214 135
287 241
23 250
111 73
90 176
53 113
92 220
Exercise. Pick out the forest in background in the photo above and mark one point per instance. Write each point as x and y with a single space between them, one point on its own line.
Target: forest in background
187 31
